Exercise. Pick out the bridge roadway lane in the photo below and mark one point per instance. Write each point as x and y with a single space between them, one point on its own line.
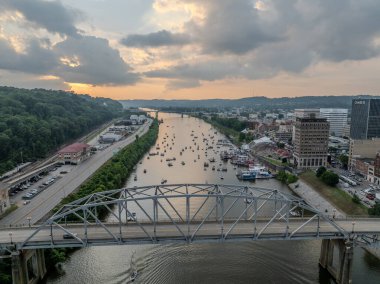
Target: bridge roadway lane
43 203
132 233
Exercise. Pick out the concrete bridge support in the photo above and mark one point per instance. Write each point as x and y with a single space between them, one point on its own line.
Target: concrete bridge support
336 257
28 266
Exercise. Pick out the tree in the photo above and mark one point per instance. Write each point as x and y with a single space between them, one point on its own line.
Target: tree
356 199
241 137
320 171
375 210
330 178
344 160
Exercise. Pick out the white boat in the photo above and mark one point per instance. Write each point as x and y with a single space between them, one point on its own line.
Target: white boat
260 171
133 266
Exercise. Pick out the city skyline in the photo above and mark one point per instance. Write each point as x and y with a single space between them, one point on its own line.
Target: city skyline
161 49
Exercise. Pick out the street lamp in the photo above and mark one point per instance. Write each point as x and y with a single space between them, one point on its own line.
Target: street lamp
10 235
353 226
28 218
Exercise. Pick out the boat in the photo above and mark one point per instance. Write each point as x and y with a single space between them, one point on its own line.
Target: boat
134 273
260 171
246 175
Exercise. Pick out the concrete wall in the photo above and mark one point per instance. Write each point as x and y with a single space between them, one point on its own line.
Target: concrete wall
28 266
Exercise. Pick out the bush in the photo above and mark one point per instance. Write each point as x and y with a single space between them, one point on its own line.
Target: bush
286 178
375 210
356 199
330 178
320 171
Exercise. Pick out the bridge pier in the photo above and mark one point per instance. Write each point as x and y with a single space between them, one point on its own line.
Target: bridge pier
28 266
336 257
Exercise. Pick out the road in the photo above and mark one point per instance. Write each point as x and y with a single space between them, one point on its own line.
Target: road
43 203
132 233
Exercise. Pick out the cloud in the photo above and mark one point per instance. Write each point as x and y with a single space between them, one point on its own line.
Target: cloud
91 60
237 40
50 15
182 84
157 39
37 59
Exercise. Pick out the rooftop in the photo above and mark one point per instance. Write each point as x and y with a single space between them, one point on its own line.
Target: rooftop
74 148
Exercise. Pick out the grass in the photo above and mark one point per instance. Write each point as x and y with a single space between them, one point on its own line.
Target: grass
9 211
275 162
341 199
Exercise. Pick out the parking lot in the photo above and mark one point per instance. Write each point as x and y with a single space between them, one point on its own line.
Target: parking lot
364 189
24 192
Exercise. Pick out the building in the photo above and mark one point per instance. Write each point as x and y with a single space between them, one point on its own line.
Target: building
74 153
4 198
310 142
337 117
284 133
109 138
360 149
306 112
374 171
365 119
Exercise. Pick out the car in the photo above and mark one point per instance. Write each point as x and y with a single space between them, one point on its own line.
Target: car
63 172
69 236
33 191
26 202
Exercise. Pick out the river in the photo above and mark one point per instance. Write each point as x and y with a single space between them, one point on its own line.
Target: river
242 262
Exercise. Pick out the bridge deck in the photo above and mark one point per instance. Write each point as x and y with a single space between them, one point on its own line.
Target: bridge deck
166 232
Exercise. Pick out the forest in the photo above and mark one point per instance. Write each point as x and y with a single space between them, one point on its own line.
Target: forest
34 123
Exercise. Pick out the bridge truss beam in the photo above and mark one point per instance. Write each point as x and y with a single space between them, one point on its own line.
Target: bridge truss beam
185 213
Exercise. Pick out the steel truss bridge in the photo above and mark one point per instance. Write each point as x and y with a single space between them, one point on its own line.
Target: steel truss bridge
185 213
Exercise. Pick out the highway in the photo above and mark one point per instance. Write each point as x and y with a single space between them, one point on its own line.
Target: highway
168 232
43 203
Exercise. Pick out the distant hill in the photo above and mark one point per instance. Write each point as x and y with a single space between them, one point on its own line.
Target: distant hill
252 102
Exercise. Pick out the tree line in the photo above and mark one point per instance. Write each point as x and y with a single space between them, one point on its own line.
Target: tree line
33 123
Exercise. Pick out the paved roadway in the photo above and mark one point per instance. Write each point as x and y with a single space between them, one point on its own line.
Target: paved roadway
44 202
132 233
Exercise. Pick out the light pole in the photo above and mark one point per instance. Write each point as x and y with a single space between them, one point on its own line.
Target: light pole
10 235
353 227
28 218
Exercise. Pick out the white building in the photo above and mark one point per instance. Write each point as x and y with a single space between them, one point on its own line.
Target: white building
306 112
337 118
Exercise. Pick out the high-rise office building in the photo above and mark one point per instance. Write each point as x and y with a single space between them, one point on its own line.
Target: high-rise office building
311 142
337 118
365 119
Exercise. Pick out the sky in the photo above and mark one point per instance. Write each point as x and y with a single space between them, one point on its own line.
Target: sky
192 49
